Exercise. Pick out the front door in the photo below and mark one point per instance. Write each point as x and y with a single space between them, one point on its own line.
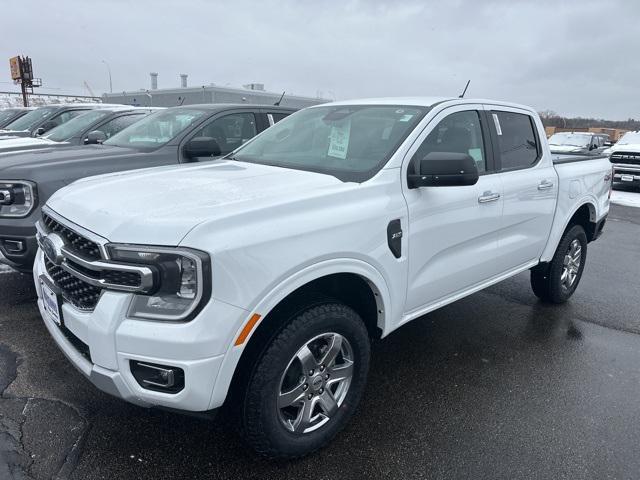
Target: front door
453 231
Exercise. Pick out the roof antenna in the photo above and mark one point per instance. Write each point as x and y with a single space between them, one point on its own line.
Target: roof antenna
277 104
465 89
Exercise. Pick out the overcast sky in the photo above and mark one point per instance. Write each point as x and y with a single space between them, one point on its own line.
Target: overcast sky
574 57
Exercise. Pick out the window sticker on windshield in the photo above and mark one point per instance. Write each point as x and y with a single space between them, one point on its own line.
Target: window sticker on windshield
476 154
339 139
405 118
497 122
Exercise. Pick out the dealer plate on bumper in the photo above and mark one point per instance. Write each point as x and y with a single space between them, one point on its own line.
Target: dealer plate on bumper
51 301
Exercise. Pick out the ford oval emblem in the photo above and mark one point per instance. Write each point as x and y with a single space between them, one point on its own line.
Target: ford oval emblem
52 246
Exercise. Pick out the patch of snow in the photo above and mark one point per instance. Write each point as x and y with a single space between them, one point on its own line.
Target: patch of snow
5 269
15 100
628 199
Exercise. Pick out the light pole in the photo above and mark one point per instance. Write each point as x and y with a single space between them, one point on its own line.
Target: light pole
109 70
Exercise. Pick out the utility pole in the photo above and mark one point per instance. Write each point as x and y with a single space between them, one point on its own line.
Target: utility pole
109 70
22 73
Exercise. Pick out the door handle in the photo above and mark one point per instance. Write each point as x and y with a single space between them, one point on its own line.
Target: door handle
488 197
545 185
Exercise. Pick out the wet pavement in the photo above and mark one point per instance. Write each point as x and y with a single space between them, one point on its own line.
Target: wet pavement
495 386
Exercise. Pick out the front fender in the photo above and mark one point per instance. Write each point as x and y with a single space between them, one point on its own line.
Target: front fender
279 292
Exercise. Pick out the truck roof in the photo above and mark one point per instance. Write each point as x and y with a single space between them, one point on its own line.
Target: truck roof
424 102
581 133
225 106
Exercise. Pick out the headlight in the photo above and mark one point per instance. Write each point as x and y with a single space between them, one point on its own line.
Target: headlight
182 281
17 198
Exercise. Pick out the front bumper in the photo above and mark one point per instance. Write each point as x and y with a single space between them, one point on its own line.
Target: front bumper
101 343
18 245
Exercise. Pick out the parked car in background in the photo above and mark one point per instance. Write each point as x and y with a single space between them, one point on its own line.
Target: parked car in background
260 278
578 142
91 127
40 120
167 137
8 115
625 157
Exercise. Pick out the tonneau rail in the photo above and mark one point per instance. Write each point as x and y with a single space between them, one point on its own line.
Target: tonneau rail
559 158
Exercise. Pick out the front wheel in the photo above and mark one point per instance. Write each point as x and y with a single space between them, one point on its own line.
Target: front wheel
556 281
307 383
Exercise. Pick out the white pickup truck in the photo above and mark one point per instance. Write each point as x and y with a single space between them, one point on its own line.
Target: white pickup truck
625 157
258 281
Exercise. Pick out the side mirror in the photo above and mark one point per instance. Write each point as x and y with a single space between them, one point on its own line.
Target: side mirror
45 128
201 147
95 137
593 147
444 169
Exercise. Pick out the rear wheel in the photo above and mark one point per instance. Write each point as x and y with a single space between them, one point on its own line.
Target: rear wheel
556 281
307 383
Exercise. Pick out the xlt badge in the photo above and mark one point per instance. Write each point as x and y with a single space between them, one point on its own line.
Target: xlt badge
394 237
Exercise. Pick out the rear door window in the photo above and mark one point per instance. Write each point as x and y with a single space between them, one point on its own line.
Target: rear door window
230 131
64 117
518 145
114 125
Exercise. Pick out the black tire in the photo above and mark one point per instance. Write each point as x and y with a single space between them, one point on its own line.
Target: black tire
546 278
261 425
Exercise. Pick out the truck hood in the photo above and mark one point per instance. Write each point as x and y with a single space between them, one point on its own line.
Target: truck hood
628 147
25 143
159 206
17 164
566 148
14 133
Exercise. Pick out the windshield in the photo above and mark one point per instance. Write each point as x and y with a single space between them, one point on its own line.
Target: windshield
75 126
629 138
31 119
349 142
570 139
6 115
155 130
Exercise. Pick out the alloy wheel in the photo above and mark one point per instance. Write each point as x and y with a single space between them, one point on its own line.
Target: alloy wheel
571 264
315 383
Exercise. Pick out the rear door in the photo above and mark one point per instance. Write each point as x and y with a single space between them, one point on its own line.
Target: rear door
453 231
530 185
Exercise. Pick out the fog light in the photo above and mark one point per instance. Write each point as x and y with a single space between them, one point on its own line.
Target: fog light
160 378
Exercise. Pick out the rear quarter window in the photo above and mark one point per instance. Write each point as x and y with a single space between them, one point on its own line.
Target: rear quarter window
518 143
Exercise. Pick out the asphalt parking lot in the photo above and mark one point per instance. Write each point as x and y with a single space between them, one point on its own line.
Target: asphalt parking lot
497 385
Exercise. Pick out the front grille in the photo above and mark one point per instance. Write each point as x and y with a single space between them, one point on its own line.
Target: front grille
629 158
113 277
77 292
77 243
82 274
128 279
